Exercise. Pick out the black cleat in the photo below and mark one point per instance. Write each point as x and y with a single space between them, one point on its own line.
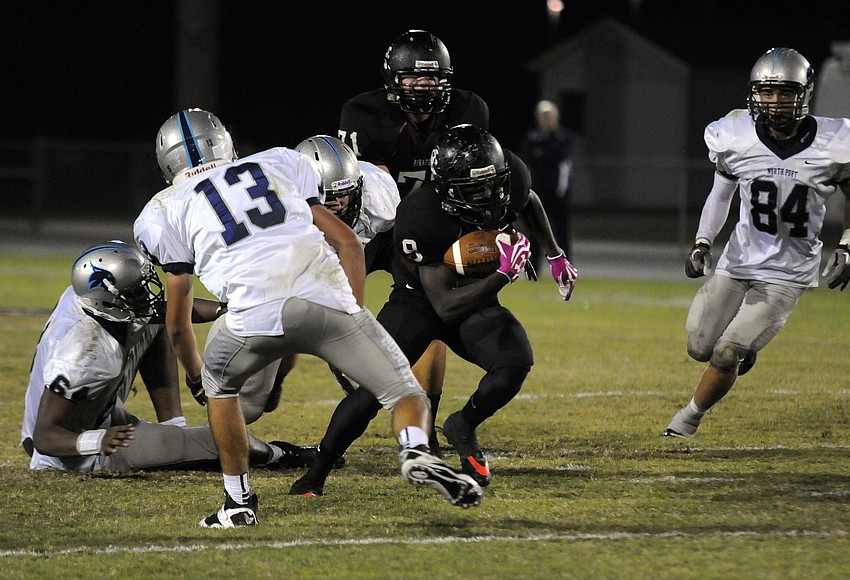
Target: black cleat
296 457
307 487
233 515
463 439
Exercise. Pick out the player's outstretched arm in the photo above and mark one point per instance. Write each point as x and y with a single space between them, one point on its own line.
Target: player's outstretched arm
51 437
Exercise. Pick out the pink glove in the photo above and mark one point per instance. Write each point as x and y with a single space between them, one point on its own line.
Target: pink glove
512 257
565 274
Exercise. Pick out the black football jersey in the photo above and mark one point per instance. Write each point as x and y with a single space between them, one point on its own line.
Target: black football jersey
380 133
424 231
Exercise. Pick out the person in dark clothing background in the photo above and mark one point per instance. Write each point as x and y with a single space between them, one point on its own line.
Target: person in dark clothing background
547 150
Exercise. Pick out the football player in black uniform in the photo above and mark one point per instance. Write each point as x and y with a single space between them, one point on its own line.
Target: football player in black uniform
396 127
477 185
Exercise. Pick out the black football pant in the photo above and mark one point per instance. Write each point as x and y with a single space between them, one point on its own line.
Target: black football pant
492 338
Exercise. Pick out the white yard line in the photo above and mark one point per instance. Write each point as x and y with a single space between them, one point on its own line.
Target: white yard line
568 537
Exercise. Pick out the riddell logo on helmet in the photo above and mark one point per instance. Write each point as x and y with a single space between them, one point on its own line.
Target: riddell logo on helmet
201 169
427 64
342 184
482 171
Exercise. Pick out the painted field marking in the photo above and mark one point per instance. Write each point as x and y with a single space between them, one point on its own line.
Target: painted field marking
568 537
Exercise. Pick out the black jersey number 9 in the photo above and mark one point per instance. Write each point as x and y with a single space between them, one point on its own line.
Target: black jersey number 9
794 211
236 230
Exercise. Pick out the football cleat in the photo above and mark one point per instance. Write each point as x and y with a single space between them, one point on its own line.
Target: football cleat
296 457
307 487
683 425
670 433
419 467
233 515
463 439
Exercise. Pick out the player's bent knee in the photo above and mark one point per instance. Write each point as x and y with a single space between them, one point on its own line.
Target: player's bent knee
699 352
726 357
414 391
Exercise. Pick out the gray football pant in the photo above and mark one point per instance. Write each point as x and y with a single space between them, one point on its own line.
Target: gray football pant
255 392
745 314
168 446
356 344
158 445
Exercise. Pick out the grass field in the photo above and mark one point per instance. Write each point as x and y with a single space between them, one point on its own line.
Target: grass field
583 485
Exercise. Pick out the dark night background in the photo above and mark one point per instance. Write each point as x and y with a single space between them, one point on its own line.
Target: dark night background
87 83
101 69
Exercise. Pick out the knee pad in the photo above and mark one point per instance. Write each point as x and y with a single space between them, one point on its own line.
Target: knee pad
726 357
699 353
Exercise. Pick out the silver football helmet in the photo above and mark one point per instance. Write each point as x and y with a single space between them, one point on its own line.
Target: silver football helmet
191 138
342 181
782 68
115 281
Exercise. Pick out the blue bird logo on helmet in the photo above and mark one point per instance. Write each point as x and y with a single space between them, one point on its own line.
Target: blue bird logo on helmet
101 278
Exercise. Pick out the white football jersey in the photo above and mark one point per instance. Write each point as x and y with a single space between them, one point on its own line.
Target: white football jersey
380 199
78 359
246 229
783 193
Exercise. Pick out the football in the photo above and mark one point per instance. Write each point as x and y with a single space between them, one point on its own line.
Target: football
475 254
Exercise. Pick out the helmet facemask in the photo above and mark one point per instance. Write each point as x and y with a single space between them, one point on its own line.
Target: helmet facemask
781 115
345 200
481 200
413 95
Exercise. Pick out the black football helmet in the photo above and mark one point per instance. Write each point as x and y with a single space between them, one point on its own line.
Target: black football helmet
472 176
781 68
420 54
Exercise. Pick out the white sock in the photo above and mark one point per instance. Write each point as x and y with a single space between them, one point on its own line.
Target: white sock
179 421
411 437
237 488
692 406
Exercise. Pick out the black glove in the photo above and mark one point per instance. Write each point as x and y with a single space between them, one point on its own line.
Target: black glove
699 260
837 271
197 390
